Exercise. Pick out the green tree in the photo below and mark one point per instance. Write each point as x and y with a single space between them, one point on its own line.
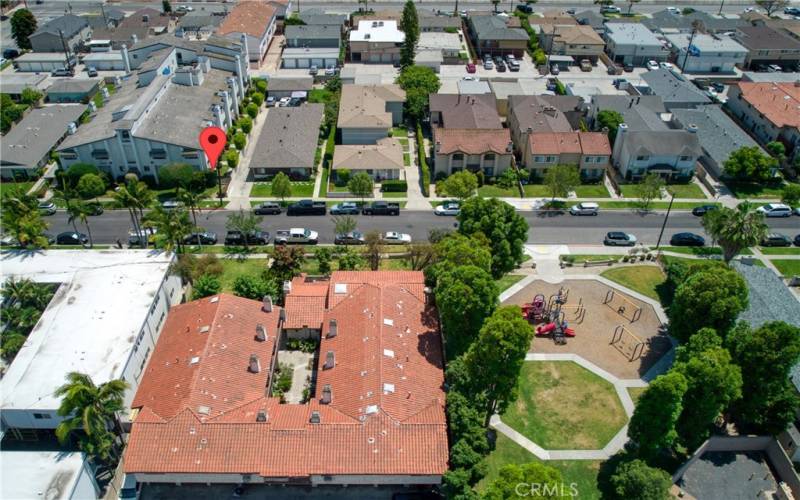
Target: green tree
562 179
286 263
652 426
418 82
239 140
505 230
610 120
172 227
281 186
649 189
466 296
361 185
30 96
373 249
261 85
709 298
92 409
75 171
458 250
460 185
735 229
21 218
409 24
324 255
245 123
232 157
636 480
179 175
91 186
537 480
23 25
495 358
350 260
791 194
206 286
258 98
749 164
192 199
420 254
134 196
630 5
766 356
166 7
246 223
252 110
254 287
343 224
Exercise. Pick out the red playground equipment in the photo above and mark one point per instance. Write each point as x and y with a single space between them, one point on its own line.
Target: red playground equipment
535 310
549 313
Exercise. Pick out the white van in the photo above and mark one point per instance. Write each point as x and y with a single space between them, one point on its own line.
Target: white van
776 210
584 208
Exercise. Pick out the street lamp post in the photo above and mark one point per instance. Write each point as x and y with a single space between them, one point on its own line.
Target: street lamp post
666 217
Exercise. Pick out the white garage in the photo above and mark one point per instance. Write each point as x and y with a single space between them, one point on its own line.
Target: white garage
306 57
105 61
36 62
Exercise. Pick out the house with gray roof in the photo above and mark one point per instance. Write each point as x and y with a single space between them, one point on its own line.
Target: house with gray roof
433 22
638 112
672 154
198 24
633 43
26 147
707 53
73 90
313 36
492 35
285 86
592 18
47 38
14 83
719 136
674 90
288 142
767 45
666 21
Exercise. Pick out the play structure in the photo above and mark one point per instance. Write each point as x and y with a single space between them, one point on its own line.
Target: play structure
623 306
631 346
552 314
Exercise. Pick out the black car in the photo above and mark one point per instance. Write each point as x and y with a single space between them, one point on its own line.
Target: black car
628 68
267 208
500 66
351 238
687 240
797 240
205 238
237 238
718 87
702 83
702 209
513 67
776 240
71 238
94 208
10 53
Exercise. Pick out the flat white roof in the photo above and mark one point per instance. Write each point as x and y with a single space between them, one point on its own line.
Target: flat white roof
39 474
90 324
433 40
41 56
377 31
111 55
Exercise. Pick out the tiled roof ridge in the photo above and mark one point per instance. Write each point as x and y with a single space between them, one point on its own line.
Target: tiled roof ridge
211 331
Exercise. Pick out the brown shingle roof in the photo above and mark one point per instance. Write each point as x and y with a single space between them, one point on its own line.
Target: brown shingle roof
252 18
387 153
554 143
365 105
472 141
778 102
466 110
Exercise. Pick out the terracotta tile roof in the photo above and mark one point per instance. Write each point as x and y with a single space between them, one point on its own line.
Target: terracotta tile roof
386 414
252 18
554 143
472 141
778 102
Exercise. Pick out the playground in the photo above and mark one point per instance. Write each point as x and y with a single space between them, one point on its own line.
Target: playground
613 330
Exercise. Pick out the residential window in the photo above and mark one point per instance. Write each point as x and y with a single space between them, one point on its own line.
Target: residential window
588 159
100 154
126 136
41 416
158 154
642 158
189 153
458 157
146 169
488 157
551 159
69 154
488 171
685 158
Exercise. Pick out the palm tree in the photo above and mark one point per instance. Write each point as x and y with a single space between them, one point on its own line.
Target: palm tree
735 229
135 196
172 226
92 409
73 214
192 200
84 211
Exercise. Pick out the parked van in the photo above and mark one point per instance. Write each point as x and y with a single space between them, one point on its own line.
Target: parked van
585 208
776 210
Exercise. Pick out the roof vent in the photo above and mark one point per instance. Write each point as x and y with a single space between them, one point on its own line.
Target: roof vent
214 299
340 288
282 315
330 360
388 322
254 365
203 410
261 332
267 307
388 388
327 394
372 409
261 416
204 329
287 287
333 329
315 418
388 353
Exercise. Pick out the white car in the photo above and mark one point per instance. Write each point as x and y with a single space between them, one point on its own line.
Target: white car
271 101
652 65
395 238
471 78
673 10
775 210
284 102
610 9
447 209
330 71
584 208
666 65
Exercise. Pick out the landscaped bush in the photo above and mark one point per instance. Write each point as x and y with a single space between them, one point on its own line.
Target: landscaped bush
258 98
394 186
330 146
305 345
425 172
239 140
246 124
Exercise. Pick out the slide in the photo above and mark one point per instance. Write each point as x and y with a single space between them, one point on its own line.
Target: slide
545 329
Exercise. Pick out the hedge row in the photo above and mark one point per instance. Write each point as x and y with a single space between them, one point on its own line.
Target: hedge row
425 172
394 186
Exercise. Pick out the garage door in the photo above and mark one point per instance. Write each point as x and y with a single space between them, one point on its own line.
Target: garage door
374 58
331 62
303 63
387 58
290 63
317 61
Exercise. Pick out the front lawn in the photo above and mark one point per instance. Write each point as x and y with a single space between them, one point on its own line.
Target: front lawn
406 159
320 96
592 191
579 259
780 250
581 472
787 267
508 281
299 189
394 194
234 267
693 250
756 190
399 132
656 205
537 191
491 191
689 190
563 406
642 279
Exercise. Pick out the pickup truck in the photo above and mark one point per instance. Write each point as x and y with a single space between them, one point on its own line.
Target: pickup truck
296 235
381 208
237 238
307 207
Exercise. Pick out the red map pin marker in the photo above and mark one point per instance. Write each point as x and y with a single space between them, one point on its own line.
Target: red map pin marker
212 140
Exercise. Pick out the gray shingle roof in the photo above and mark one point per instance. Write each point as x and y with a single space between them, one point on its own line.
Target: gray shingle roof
290 84
544 113
765 38
719 136
666 20
429 20
73 85
69 24
639 113
320 18
673 88
33 138
314 32
662 142
489 27
289 137
466 111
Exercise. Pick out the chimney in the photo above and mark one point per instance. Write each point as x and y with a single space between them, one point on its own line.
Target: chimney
126 61
327 394
332 329
438 146
134 39
315 418
619 139
218 120
282 315
287 287
509 147
261 333
261 416
226 101
267 307
330 360
529 130
145 18
692 128
255 364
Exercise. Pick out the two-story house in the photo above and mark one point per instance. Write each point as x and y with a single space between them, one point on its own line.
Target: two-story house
368 112
770 111
256 20
589 151
531 115
52 36
672 154
579 42
766 45
492 35
375 41
707 53
633 43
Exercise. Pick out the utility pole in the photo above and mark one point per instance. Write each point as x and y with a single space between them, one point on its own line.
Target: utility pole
666 217
103 11
68 63
696 26
721 5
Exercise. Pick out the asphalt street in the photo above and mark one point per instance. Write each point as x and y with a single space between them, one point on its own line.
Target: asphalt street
544 228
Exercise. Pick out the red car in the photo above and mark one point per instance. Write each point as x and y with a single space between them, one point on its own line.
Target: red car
470 68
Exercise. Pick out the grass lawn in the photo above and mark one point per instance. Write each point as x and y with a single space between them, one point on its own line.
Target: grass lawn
756 190
323 188
780 250
507 281
488 191
404 142
406 159
8 188
536 191
643 279
628 191
693 250
582 472
636 393
233 268
264 189
592 191
689 190
787 267
656 205
400 132
320 96
563 406
394 194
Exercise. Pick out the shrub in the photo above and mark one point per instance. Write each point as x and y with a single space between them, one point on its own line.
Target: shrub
246 124
394 186
425 172
252 110
258 98
239 140
261 85
232 157
205 286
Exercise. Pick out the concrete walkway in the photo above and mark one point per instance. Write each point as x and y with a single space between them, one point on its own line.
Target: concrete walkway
239 187
415 198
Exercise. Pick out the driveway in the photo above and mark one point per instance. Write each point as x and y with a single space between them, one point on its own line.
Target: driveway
239 187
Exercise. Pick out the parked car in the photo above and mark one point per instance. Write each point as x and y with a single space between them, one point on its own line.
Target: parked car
619 82
774 68
702 83
687 240
673 10
776 240
47 208
523 7
797 240
702 209
554 69
628 67
470 68
584 208
94 208
381 208
511 59
271 101
135 238
295 236
610 9
202 238
10 53
719 87
313 70
513 66
586 65
284 102
449 208
792 11
294 102
613 69
330 71
267 208
237 238
619 239
91 71
351 238
395 238
307 207
71 238
652 65
775 210
63 72
666 65
500 66
551 84
345 208
488 64
171 204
